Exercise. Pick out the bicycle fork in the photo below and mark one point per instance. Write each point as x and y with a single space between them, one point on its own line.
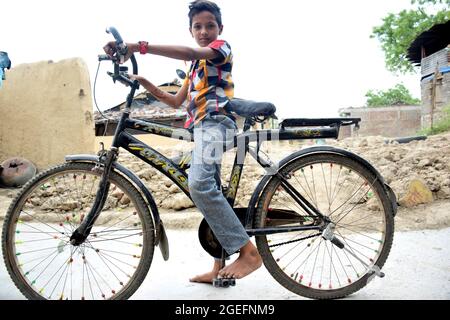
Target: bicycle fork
83 231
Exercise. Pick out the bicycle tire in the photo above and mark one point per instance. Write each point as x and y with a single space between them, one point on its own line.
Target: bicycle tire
61 211
292 273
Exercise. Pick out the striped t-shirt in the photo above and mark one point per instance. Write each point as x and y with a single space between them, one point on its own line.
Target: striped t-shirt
210 84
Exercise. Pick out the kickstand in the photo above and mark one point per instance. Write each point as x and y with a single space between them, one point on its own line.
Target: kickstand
223 282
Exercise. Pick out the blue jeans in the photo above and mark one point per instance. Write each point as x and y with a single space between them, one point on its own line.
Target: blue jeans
204 181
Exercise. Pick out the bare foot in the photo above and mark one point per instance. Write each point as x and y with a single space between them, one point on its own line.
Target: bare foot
209 276
248 261
205 278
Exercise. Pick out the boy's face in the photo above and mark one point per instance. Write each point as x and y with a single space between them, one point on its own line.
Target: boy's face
204 28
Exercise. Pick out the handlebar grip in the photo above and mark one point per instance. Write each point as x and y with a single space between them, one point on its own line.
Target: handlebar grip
115 34
102 57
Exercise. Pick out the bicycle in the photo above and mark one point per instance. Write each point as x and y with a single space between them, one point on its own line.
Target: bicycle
322 218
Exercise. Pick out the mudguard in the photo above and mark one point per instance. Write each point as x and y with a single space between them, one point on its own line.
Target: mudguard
161 237
307 152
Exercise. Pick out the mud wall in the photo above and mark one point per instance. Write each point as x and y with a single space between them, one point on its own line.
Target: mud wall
435 98
391 122
46 112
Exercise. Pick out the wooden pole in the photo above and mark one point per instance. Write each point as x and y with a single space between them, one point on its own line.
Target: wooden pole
433 94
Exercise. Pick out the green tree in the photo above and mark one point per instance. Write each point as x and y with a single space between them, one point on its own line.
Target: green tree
397 96
399 30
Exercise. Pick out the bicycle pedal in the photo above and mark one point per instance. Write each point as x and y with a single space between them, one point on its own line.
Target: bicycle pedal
223 282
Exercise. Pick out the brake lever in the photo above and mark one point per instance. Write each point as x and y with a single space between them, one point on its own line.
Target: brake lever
124 79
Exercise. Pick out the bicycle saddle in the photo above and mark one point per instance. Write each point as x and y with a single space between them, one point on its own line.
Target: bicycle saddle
248 108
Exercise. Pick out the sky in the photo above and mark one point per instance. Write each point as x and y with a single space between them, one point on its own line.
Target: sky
309 58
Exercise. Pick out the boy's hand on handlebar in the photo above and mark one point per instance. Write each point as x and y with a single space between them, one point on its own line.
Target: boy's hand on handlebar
111 49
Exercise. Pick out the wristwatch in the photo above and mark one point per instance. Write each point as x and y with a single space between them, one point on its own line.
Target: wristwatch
143 47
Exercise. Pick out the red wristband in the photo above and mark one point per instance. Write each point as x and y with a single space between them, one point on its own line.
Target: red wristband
143 47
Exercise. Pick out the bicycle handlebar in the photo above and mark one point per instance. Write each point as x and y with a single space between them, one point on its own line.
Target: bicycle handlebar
122 51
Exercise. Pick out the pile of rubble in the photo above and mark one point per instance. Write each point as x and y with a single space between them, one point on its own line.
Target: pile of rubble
418 171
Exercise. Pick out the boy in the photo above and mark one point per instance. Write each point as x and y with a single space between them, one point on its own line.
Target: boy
209 87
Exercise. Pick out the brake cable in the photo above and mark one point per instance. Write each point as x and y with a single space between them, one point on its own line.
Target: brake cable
95 100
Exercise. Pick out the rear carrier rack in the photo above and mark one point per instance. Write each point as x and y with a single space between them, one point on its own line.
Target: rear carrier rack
328 122
317 128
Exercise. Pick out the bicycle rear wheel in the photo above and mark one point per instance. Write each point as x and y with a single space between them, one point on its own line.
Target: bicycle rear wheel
110 264
361 217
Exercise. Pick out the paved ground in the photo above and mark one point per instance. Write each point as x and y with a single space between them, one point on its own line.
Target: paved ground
417 268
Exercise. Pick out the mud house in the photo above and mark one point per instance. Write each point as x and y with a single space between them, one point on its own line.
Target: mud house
46 112
431 51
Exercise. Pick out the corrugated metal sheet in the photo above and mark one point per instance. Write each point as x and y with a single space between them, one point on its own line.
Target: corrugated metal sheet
429 42
435 61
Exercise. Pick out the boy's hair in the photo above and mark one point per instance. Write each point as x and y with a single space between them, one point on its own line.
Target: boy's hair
198 6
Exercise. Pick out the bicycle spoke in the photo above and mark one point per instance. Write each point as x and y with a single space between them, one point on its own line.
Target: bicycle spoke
69 266
347 201
323 264
307 184
44 223
286 253
92 270
121 220
105 257
334 196
65 263
97 251
354 251
314 184
314 266
326 187
334 268
34 240
359 226
364 235
342 215
301 186
59 196
112 257
102 239
363 218
290 200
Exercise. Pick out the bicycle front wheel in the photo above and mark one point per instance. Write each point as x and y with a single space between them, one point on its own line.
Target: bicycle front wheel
358 213
110 264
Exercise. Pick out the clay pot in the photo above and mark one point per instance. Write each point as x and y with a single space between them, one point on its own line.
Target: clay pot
16 172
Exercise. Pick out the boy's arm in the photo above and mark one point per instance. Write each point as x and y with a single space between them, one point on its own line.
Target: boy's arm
178 52
173 100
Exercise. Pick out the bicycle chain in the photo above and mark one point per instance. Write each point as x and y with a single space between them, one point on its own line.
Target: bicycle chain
292 241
